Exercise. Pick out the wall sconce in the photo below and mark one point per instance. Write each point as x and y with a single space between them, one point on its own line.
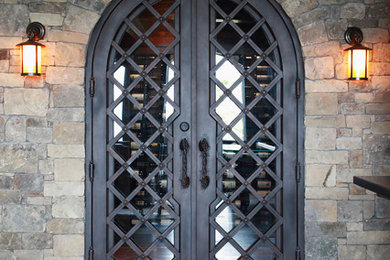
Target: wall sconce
30 50
357 54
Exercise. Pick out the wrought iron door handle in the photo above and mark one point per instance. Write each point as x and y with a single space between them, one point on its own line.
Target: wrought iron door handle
204 148
184 146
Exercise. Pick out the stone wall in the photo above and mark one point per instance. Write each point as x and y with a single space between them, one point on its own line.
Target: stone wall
42 130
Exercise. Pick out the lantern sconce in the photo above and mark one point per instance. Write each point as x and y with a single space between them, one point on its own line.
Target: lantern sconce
30 50
358 55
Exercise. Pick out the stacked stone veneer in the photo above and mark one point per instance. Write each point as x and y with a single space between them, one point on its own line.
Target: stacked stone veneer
42 130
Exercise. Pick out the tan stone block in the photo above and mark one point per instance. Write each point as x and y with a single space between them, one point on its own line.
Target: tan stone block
333 193
347 252
381 52
65 226
68 207
68 133
327 157
47 19
377 109
68 96
360 121
352 109
381 127
326 86
381 82
325 121
353 10
26 101
28 254
294 8
41 135
66 115
321 210
379 69
313 33
375 35
356 158
68 245
4 65
35 82
39 201
9 42
341 71
346 175
368 209
319 68
65 151
349 143
69 170
355 226
321 104
320 138
331 48
67 36
11 80
364 97
320 175
75 20
70 55
15 129
63 75
356 190
376 252
57 189
368 237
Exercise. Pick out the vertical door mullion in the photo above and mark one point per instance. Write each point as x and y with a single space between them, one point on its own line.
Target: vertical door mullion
183 94
205 130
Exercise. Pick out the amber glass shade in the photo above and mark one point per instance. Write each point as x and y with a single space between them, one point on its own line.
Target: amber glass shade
358 58
31 58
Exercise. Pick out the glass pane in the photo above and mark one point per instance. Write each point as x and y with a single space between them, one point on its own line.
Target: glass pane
227 252
161 219
245 237
264 220
228 219
125 253
160 251
125 220
143 237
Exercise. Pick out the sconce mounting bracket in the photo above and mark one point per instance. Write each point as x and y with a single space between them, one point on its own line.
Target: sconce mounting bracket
35 31
353 36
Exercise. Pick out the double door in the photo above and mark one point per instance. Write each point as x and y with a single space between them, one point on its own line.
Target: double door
193 132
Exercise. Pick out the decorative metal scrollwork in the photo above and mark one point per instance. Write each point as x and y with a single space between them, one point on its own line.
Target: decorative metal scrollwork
204 147
184 146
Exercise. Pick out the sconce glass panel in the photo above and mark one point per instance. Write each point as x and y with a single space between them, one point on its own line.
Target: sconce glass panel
358 63
31 59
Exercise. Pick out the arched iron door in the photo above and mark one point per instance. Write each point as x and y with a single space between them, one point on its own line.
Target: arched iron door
193 132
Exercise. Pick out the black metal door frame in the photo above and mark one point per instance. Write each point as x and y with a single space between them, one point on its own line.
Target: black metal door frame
97 56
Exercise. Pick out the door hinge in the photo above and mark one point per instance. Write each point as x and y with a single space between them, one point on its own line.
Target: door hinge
91 171
91 253
298 88
298 253
298 172
92 87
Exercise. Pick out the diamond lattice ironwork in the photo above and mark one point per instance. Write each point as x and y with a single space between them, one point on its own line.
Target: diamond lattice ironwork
245 83
144 77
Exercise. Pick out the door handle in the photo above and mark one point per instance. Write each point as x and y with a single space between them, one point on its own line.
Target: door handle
185 180
204 148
